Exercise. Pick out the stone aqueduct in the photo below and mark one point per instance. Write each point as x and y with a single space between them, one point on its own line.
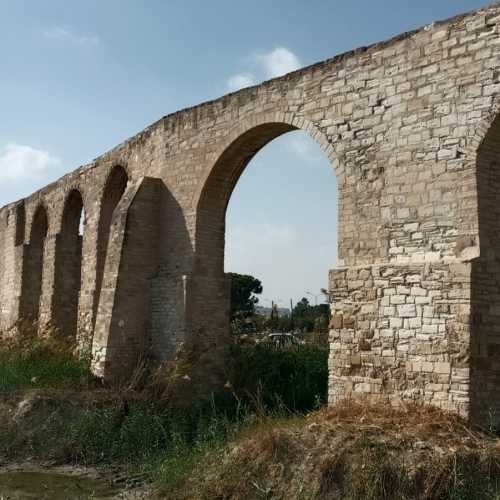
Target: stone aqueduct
411 128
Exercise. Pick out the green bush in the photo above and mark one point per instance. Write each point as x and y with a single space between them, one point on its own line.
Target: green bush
40 363
295 377
131 429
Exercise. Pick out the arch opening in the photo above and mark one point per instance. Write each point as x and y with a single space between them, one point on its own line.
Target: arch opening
281 222
212 286
113 192
33 266
68 272
217 190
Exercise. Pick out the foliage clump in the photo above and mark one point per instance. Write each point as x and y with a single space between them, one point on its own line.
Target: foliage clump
294 377
29 360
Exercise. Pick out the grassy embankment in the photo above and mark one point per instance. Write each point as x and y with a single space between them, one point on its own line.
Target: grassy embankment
251 440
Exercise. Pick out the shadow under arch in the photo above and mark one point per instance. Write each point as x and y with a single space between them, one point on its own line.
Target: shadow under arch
33 265
68 266
20 223
211 293
141 310
114 188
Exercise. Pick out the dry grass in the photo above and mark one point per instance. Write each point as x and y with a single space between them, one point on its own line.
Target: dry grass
418 421
351 451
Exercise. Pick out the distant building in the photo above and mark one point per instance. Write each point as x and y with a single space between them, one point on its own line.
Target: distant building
266 311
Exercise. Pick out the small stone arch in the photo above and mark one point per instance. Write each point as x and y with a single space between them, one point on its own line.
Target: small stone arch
114 188
68 265
33 265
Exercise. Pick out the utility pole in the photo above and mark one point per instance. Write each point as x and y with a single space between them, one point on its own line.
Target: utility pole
315 295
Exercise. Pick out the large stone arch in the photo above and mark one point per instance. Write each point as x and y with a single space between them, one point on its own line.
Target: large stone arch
288 122
210 293
232 157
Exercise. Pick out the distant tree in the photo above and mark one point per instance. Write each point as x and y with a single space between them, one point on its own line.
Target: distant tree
244 289
302 308
309 318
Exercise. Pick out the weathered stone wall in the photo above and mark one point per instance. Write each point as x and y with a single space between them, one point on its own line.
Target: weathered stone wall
402 331
415 296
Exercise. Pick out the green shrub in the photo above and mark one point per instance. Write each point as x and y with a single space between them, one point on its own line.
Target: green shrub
40 362
295 377
133 429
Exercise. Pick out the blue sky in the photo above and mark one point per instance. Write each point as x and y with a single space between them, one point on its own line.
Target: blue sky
77 78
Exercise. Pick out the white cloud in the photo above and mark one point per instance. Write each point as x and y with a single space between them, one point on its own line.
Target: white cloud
240 81
272 64
24 162
66 35
278 62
